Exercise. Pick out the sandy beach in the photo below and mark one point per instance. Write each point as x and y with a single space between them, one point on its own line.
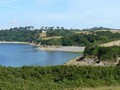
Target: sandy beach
63 48
13 42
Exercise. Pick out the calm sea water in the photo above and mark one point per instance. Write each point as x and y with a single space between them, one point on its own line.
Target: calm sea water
17 55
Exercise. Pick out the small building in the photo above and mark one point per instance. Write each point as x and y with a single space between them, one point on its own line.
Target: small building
43 31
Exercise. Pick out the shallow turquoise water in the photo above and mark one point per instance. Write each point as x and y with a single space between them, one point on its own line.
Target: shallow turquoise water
17 55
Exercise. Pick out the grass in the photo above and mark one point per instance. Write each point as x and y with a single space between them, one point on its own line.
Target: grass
113 43
87 32
99 88
54 37
115 31
42 35
79 32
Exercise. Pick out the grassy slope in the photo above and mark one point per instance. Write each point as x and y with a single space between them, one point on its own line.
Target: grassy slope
44 37
53 37
113 43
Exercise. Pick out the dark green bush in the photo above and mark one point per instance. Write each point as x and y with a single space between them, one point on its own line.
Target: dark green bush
58 77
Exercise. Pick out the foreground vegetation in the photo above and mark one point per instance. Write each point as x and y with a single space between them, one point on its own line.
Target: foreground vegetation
58 77
99 88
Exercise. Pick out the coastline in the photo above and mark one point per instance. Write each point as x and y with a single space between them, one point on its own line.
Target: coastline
54 48
13 42
48 48
72 61
62 48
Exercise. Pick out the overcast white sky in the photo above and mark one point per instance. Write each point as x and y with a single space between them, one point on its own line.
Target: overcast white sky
66 13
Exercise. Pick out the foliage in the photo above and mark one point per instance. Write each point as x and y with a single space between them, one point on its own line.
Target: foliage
98 37
96 28
103 53
53 41
57 77
58 32
22 34
75 40
69 38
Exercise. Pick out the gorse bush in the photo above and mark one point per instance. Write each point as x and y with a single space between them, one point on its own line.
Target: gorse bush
57 77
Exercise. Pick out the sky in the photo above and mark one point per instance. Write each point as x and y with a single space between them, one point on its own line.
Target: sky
77 14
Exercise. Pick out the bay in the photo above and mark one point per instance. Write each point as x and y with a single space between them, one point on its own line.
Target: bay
17 55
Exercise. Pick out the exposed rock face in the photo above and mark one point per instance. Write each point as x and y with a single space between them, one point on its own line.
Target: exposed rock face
90 62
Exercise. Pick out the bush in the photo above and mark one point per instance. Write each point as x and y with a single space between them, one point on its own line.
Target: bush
58 77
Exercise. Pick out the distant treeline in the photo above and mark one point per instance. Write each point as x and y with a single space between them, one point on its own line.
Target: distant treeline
22 34
69 37
57 77
96 28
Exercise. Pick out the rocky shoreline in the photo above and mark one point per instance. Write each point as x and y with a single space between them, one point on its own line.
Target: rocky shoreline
89 62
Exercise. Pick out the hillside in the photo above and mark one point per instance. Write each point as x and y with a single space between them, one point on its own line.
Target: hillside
106 54
115 31
113 43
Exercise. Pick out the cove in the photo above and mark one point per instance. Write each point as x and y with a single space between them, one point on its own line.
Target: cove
17 55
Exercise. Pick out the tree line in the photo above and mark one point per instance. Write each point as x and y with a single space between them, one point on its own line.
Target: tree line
22 34
72 39
68 36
